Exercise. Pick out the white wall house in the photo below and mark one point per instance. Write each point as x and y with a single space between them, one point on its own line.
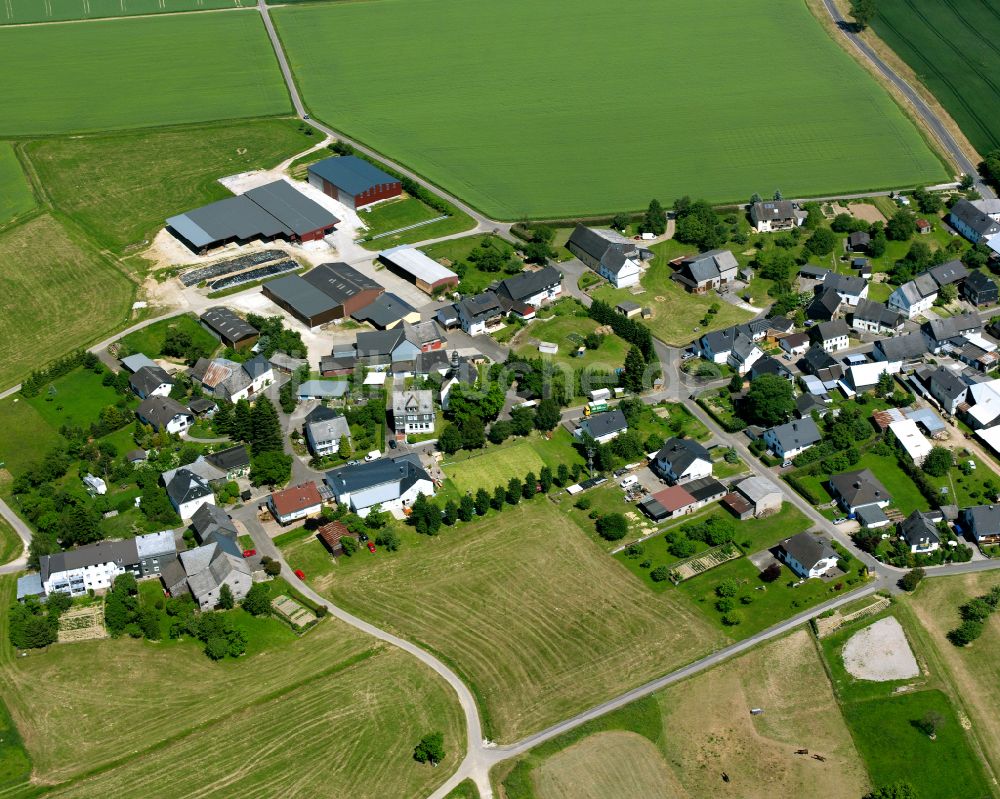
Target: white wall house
390 483
93 567
682 460
621 272
910 301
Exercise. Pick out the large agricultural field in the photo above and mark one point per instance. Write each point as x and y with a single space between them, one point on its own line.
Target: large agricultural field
952 47
138 72
15 192
537 619
677 743
22 11
58 294
254 726
506 105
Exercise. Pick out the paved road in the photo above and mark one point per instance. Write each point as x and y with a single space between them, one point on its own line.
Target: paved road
23 531
930 118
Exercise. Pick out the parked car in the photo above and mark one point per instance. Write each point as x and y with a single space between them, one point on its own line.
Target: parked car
620 472
687 355
249 553
841 520
363 537
371 547
392 443
300 574
353 463
373 455
786 465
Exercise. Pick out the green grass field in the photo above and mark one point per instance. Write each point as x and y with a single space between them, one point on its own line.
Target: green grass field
11 546
150 340
905 495
122 186
16 196
20 11
395 214
557 330
447 99
139 72
952 48
474 280
58 294
75 399
538 620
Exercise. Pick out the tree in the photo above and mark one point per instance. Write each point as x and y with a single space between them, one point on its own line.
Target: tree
727 588
659 574
265 433
344 450
771 573
499 497
514 488
257 602
242 425
967 632
822 241
500 432
522 421
612 527
545 479
946 294
930 723
467 508
376 518
226 599
863 12
897 790
562 474
271 468
769 400
635 368
482 501
619 222
655 220
736 383
473 433
450 440
902 226
450 515
217 648
388 539
938 462
430 749
911 579
547 415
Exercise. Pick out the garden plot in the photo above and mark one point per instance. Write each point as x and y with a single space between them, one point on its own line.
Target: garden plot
709 559
82 624
880 653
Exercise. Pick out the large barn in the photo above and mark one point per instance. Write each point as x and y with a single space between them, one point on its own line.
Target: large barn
273 211
353 181
411 264
229 328
327 293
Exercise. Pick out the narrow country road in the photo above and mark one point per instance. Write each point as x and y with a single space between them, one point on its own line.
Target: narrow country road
930 118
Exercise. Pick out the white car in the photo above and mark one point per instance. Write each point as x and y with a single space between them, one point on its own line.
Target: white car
629 482
373 455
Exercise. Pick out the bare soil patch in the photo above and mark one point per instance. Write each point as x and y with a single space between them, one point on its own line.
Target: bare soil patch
867 212
880 652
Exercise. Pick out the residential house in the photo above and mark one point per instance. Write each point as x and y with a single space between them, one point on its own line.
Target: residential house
864 377
946 388
209 567
981 408
234 461
872 517
225 379
210 522
187 491
920 533
381 349
296 502
949 273
914 297
613 257
681 460
970 220
979 289
480 314
832 336
717 345
324 429
906 432
789 439
744 354
93 567
154 551
794 343
817 361
850 288
164 414
982 522
391 483
944 334
853 490
413 411
770 366
908 348
715 269
668 503
768 216
526 292
808 555
857 241
602 427
762 494
825 304
151 381
807 404
874 317
979 358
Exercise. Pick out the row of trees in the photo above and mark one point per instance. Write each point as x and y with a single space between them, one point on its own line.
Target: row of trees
974 614
34 383
32 625
259 427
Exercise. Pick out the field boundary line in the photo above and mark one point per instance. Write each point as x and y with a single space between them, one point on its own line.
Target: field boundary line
408 227
123 16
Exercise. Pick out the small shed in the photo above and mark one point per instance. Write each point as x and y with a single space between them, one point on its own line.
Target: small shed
628 309
332 534
548 348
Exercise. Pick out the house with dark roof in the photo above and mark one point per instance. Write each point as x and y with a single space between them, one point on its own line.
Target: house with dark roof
209 567
831 336
982 522
705 490
789 439
386 311
164 414
390 483
353 181
93 567
980 289
151 381
808 555
480 314
770 366
947 389
530 289
233 331
295 502
854 490
715 269
972 222
382 349
602 427
920 533
851 288
949 273
874 317
744 354
825 304
188 491
806 404
210 522
768 216
413 411
681 460
908 348
233 461
794 343
857 241
324 427
820 363
945 334
613 257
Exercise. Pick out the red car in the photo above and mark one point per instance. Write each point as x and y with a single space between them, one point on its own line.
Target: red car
249 553
371 547
300 574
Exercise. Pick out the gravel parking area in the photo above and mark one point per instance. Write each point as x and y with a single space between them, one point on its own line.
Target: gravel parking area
880 652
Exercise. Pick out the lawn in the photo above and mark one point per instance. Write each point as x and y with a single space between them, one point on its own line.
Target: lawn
150 340
393 215
129 73
905 495
679 741
75 399
19 11
951 47
58 294
27 436
122 186
677 314
536 618
16 196
11 547
447 99
455 251
156 713
569 332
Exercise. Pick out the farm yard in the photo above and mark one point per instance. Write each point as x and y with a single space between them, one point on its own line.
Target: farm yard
440 115
531 613
22 11
16 197
679 741
951 47
138 72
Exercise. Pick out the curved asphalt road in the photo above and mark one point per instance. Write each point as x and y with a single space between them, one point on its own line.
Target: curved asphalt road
930 118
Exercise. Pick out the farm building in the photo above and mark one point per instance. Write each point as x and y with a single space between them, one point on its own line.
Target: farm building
272 211
390 483
611 255
670 502
353 181
333 534
386 311
328 292
230 329
411 264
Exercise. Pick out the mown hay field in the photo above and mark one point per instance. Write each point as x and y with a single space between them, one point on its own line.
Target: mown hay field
138 72
56 293
15 192
549 110
20 11
952 47
535 617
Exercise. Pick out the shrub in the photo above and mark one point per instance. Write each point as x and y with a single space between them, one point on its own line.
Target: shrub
724 605
732 619
771 573
727 588
911 579
659 574
612 527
